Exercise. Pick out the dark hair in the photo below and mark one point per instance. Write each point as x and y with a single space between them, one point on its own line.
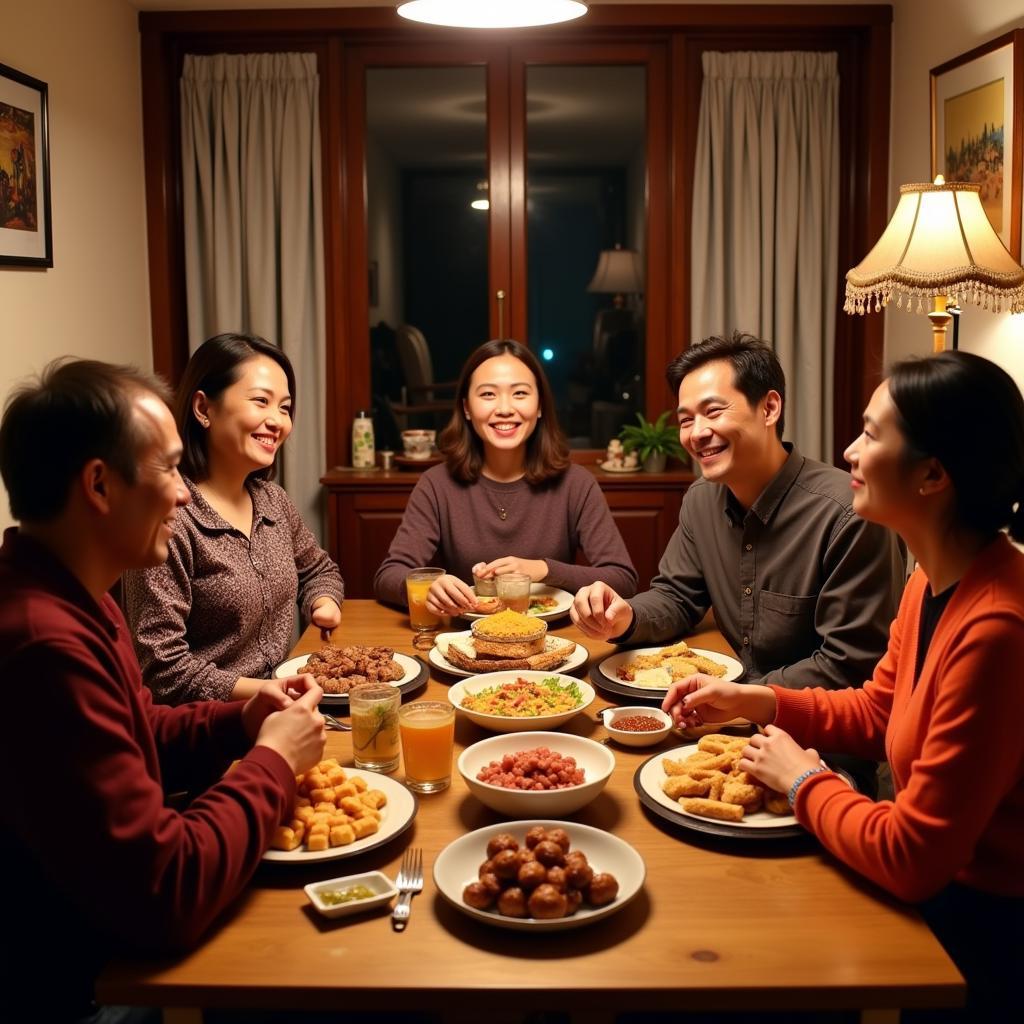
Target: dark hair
756 368
213 368
547 451
987 474
76 410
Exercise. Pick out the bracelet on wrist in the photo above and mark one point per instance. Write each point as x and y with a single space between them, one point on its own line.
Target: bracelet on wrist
800 780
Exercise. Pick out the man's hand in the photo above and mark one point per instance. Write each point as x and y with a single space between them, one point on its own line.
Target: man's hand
326 615
600 613
698 699
274 695
297 731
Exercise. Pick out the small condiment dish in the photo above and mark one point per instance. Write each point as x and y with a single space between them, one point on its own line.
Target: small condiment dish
631 738
377 882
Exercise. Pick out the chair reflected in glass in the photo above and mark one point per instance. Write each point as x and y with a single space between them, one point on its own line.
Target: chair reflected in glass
617 352
423 402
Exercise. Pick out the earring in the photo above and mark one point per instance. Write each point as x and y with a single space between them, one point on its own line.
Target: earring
205 422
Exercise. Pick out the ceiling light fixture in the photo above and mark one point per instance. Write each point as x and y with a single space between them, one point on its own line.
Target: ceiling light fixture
491 13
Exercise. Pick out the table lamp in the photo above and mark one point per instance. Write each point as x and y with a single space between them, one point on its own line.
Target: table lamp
618 273
940 249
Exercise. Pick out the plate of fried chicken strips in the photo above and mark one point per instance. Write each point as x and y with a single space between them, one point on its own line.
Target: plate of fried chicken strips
338 669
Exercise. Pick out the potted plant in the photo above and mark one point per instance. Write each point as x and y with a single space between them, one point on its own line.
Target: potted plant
653 442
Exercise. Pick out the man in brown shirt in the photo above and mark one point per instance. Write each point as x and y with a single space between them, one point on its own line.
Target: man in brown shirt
803 589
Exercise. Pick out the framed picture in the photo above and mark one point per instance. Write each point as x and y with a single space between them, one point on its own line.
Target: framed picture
978 128
25 235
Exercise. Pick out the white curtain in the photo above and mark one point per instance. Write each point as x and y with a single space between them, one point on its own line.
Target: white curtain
765 220
250 141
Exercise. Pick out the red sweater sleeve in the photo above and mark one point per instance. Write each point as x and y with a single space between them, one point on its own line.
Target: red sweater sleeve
957 752
114 843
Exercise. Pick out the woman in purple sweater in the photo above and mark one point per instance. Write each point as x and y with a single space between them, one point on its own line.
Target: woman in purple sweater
508 498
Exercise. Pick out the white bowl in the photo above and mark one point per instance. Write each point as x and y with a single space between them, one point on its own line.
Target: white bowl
636 739
596 760
382 887
504 723
456 866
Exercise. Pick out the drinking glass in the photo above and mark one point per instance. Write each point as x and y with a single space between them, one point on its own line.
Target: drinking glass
513 590
374 710
428 742
417 583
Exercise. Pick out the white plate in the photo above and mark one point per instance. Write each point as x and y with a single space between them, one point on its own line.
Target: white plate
610 666
395 817
457 865
410 669
610 467
457 693
438 660
563 597
652 775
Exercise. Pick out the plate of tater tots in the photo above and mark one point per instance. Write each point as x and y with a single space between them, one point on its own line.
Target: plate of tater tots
341 812
538 875
700 786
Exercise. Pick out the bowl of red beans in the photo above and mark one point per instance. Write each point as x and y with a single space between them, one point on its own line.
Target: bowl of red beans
637 726
536 774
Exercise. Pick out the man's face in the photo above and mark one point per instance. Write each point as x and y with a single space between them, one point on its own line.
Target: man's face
727 437
142 513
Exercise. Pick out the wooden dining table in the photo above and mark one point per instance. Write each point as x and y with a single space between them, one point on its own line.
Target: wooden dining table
720 924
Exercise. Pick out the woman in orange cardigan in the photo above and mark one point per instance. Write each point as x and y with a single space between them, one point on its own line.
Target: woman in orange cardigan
941 461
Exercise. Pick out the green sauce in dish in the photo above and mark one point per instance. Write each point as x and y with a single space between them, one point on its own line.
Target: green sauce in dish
354 892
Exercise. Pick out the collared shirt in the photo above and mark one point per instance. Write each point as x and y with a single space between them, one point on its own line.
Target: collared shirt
803 589
223 605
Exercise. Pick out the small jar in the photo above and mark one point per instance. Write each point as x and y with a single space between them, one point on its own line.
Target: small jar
386 459
362 441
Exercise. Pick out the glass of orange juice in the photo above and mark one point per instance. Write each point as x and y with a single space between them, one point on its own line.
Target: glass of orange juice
428 741
417 583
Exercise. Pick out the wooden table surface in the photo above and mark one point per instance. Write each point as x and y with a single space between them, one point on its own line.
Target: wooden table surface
718 924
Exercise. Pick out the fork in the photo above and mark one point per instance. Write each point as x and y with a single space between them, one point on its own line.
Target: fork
334 723
410 882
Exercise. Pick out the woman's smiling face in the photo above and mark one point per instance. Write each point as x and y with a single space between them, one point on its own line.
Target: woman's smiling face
252 418
503 404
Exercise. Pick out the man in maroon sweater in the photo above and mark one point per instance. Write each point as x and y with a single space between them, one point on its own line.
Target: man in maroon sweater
94 860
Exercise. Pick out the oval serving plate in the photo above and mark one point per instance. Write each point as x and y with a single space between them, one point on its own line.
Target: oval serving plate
415 674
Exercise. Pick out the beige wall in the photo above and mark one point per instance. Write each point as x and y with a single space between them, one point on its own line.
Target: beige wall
927 33
95 299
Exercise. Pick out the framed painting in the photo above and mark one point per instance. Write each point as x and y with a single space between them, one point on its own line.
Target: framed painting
25 234
977 128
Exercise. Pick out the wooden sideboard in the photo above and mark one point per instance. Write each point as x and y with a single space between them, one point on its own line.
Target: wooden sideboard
364 508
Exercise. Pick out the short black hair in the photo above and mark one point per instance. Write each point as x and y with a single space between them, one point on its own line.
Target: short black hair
213 368
985 461
76 410
756 367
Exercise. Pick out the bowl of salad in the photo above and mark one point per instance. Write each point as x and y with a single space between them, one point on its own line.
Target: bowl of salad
521 700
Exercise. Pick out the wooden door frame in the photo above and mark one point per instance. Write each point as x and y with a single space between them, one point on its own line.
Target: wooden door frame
861 31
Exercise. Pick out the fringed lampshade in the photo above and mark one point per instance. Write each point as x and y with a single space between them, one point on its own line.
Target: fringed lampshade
940 249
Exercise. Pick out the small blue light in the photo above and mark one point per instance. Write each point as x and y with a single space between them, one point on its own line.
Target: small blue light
547 354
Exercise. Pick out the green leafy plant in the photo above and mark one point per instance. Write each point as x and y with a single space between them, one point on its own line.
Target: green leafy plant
648 438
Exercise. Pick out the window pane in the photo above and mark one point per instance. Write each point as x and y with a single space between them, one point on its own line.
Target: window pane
426 162
585 189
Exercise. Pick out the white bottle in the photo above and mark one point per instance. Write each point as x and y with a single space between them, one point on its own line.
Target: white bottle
363 455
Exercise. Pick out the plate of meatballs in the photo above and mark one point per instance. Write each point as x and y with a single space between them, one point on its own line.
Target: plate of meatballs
539 875
338 669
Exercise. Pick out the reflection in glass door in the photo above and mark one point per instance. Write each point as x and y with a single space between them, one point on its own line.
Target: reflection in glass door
427 238
585 209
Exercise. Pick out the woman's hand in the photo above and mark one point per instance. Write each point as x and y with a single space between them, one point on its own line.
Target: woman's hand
326 615
535 568
698 699
296 731
776 759
448 595
274 695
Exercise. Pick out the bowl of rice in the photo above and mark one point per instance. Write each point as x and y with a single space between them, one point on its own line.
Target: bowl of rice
520 700
536 775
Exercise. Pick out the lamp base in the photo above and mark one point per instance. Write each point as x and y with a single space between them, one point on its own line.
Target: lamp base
940 321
